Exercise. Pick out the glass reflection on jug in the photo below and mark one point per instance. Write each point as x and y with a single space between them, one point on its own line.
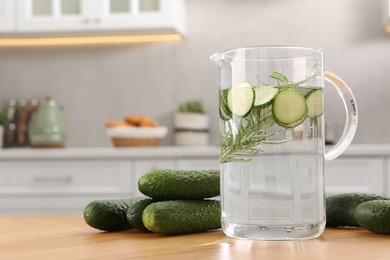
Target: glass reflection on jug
272 141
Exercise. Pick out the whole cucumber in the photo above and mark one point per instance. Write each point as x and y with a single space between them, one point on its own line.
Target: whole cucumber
109 215
374 215
340 209
182 216
134 214
169 184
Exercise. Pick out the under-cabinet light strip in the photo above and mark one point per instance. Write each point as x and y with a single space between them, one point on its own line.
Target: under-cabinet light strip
93 40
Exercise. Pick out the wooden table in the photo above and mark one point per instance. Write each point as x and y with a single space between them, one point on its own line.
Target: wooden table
70 238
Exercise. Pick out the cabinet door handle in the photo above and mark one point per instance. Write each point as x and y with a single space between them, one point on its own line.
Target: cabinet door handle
53 179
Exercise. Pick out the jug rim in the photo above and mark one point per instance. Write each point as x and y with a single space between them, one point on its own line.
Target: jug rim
310 50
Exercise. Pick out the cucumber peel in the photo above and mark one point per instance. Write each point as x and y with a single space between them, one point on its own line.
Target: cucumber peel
134 213
341 208
174 184
374 216
224 112
109 215
182 216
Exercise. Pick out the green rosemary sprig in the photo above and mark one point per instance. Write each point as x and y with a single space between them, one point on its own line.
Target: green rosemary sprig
284 82
244 138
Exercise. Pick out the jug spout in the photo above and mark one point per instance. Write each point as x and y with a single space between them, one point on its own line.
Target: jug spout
216 58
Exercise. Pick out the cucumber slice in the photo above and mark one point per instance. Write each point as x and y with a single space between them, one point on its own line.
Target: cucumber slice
264 95
240 99
297 123
289 108
306 91
224 112
314 102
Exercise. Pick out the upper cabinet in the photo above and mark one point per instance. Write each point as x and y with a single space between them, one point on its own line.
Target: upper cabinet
386 11
52 15
7 21
29 16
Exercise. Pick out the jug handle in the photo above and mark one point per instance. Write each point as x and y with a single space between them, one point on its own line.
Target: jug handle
351 115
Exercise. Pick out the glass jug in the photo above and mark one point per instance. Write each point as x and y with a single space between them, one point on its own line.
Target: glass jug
272 141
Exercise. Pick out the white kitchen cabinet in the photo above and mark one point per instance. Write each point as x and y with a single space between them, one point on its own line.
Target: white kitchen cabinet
142 14
47 205
357 174
98 15
7 21
386 12
64 181
198 164
53 15
35 187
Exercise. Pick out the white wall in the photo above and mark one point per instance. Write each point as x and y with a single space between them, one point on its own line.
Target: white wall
98 83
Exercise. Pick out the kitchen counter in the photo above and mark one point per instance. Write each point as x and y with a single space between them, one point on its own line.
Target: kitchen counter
157 152
109 152
70 238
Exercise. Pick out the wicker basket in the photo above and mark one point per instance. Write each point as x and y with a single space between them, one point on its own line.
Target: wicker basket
135 142
136 136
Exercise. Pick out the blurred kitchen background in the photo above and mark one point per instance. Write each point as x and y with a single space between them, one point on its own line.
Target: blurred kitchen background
94 84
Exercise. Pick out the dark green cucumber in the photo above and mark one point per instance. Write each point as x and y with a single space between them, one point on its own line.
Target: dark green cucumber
170 184
134 213
374 215
340 209
109 215
182 216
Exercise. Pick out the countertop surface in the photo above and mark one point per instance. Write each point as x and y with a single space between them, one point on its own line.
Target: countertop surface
158 152
109 152
70 238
